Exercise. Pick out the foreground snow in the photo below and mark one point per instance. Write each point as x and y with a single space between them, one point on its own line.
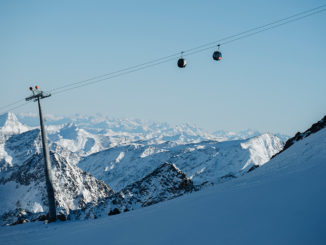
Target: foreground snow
282 202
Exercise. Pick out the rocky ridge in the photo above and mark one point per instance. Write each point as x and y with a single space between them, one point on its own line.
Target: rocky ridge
204 162
164 183
299 136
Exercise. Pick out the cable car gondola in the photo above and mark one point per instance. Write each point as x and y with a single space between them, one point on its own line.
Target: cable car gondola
182 62
217 55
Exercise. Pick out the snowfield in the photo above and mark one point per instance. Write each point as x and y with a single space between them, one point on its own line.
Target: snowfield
282 202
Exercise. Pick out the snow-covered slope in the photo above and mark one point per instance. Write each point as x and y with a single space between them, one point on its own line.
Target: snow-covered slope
76 140
208 161
164 183
299 136
22 187
282 202
17 148
22 182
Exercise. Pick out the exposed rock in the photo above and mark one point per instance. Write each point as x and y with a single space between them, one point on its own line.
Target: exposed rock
207 161
74 188
114 211
164 183
299 136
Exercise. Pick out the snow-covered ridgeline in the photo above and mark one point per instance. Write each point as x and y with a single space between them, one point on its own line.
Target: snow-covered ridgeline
115 132
208 161
9 124
22 182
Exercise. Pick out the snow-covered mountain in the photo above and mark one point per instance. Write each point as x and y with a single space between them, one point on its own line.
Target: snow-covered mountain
22 179
77 140
282 202
164 183
229 135
143 163
17 148
299 136
115 132
203 162
9 124
120 131
224 135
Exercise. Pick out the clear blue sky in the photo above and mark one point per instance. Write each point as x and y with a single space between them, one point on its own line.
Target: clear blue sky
274 81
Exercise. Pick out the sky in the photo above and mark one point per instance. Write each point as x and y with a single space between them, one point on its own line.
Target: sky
273 81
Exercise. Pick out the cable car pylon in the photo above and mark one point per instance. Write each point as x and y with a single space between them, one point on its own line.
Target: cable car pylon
37 96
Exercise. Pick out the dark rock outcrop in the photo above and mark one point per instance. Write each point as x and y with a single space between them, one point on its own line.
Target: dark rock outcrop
299 136
164 183
74 189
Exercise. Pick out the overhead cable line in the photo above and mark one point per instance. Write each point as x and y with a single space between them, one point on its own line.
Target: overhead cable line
275 26
14 108
255 28
114 76
256 32
11 104
115 72
188 52
198 49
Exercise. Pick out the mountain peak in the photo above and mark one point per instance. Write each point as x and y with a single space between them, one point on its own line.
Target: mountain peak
69 131
7 116
9 124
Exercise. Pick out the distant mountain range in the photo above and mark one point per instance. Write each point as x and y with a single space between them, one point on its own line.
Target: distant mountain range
207 161
128 130
104 166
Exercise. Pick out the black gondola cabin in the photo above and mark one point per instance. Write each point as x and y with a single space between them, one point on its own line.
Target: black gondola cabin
182 63
217 55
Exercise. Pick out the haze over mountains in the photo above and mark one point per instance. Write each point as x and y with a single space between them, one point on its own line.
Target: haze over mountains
136 129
